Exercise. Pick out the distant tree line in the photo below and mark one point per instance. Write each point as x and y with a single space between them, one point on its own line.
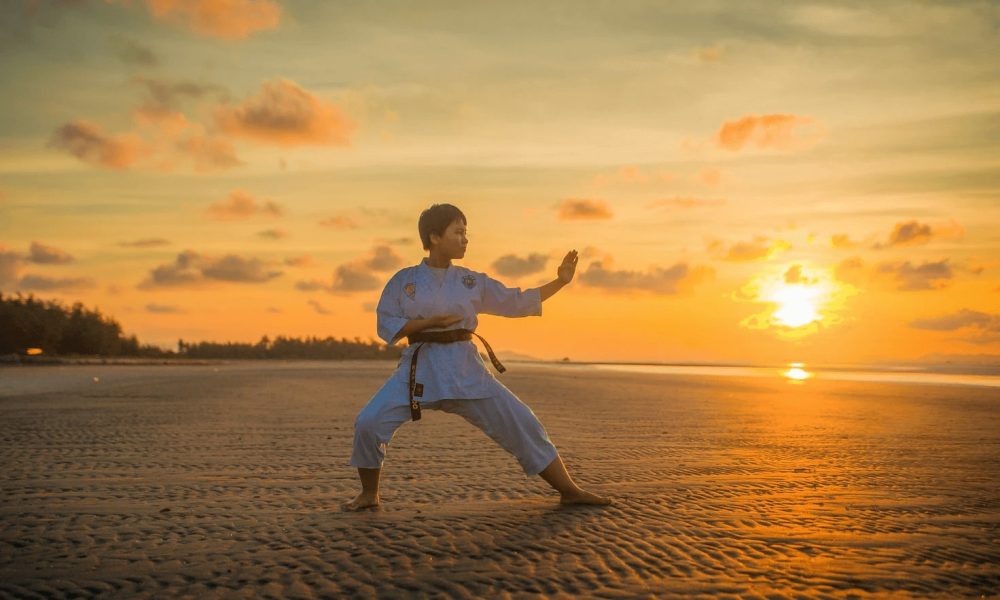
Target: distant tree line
285 347
55 329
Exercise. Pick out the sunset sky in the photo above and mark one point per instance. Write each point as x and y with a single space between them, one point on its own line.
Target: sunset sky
745 181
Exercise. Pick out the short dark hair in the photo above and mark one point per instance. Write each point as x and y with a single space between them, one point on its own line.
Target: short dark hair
436 219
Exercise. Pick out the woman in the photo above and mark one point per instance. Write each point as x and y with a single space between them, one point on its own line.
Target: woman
434 305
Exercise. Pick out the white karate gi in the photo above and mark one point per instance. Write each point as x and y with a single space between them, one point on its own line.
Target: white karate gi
454 377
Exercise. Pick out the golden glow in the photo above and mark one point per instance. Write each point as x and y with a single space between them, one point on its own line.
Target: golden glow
797 373
798 298
33 351
796 305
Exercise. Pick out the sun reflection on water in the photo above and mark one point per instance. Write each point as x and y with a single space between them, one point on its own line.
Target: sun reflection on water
796 373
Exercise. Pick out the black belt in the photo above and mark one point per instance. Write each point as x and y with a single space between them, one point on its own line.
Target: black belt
439 337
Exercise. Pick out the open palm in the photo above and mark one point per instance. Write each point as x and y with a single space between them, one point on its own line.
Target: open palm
568 267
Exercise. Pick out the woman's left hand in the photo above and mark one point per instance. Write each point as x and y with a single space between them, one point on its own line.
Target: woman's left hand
568 267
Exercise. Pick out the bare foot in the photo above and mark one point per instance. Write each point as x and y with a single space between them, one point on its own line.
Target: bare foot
362 502
584 497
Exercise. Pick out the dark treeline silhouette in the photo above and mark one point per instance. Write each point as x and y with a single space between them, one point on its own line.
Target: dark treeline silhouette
58 330
283 347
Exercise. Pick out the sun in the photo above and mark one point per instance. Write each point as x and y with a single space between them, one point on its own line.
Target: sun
798 300
797 304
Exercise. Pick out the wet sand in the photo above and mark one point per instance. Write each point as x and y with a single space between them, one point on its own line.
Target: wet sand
202 481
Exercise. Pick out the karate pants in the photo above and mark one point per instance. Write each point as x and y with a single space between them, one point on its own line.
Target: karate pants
503 417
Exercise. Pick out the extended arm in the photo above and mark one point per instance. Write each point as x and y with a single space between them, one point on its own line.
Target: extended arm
566 271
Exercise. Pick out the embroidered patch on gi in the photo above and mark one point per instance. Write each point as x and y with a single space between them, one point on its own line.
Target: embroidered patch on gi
410 289
469 281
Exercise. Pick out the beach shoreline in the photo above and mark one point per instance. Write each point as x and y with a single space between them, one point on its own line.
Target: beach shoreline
226 479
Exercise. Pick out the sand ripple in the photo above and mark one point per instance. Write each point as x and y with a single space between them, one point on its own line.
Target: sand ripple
224 481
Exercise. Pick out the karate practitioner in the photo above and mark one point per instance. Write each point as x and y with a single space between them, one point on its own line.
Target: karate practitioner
434 305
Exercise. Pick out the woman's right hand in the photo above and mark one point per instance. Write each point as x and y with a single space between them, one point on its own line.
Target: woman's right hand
445 320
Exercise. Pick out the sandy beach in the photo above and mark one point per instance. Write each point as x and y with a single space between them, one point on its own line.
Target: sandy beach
225 480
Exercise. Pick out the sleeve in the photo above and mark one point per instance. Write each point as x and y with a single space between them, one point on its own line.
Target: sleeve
389 312
501 300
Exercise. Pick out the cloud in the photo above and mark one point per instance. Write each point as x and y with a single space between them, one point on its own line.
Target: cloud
90 143
319 308
300 261
383 258
160 140
50 284
287 115
47 255
982 327
164 96
914 233
760 248
841 240
133 53
354 278
794 275
273 234
240 205
776 131
686 202
925 276
339 222
163 309
145 243
581 209
192 268
224 19
510 265
656 280
311 285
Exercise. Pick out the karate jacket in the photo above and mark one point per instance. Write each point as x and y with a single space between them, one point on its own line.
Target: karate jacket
449 371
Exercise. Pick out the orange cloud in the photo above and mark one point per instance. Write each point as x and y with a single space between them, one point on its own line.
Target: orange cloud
760 248
287 115
581 209
161 140
841 240
240 205
776 132
225 19
90 143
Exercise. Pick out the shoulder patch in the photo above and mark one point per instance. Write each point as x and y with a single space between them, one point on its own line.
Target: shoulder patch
410 290
469 281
